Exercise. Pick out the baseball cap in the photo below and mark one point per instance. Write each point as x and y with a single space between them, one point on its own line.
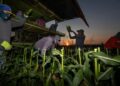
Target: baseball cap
81 30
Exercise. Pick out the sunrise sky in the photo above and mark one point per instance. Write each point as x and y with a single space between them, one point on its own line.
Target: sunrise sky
103 17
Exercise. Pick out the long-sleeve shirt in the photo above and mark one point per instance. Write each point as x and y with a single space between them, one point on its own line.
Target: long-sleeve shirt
79 39
46 43
6 27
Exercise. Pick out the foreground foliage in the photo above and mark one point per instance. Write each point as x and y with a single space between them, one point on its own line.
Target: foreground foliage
25 67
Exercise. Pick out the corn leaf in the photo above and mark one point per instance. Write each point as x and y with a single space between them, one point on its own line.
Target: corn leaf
78 78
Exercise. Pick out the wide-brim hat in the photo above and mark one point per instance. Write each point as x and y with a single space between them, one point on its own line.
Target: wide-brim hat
5 7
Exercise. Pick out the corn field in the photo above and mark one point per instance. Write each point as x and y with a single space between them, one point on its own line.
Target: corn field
23 66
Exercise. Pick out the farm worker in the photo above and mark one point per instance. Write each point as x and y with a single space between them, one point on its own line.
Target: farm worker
47 43
6 25
80 37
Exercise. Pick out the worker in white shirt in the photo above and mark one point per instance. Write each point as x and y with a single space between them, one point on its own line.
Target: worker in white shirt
47 43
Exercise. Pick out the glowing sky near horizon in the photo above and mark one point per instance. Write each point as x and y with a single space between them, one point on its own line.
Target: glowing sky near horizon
103 17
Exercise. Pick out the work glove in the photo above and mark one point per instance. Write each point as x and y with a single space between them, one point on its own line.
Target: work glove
6 45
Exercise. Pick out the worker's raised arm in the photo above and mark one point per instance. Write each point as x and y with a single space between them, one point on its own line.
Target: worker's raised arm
69 32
